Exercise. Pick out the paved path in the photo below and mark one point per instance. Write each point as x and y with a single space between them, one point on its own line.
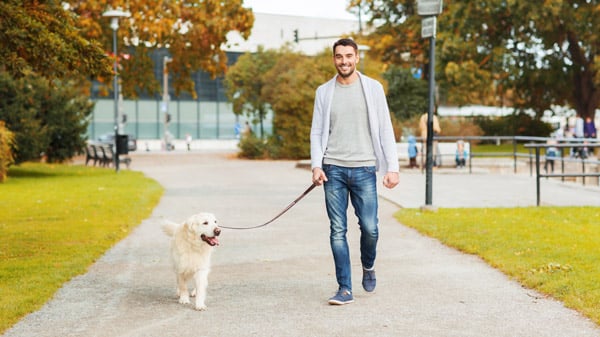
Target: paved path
275 281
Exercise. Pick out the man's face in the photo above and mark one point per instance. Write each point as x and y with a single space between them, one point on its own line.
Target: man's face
345 60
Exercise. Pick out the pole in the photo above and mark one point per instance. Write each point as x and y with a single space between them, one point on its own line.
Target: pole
114 16
429 159
116 96
165 102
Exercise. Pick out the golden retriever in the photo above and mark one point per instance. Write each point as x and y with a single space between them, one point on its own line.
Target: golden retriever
192 244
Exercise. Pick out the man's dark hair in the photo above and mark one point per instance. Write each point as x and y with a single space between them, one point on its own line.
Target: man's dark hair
345 42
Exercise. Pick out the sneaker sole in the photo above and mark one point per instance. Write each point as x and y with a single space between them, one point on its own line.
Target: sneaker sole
336 302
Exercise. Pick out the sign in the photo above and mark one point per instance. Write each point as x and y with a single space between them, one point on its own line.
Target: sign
428 25
429 7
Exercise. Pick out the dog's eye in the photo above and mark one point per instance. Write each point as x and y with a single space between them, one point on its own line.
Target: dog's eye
205 223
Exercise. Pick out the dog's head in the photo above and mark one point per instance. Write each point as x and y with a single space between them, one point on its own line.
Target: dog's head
203 226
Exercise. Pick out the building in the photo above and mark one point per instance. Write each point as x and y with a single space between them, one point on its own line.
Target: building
210 116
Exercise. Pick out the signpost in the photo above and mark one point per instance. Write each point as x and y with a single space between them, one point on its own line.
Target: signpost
428 27
429 9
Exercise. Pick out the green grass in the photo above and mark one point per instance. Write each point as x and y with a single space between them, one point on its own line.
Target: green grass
502 148
55 221
551 249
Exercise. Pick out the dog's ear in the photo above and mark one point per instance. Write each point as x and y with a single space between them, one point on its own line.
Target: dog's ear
190 226
186 226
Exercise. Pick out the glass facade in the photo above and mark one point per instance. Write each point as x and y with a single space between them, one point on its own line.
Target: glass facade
210 116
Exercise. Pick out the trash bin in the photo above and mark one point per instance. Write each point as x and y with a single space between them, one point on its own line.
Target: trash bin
122 144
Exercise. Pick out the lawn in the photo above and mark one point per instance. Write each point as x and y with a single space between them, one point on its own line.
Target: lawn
55 221
507 148
551 249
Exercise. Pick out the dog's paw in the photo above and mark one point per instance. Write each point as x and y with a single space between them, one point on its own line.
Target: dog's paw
200 307
184 299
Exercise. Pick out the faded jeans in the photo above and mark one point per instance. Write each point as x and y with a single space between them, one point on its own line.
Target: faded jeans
359 184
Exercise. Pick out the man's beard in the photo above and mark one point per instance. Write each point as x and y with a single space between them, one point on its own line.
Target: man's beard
346 75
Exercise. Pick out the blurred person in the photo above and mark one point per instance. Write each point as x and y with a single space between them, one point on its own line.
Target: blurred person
551 155
589 128
413 151
461 154
578 133
589 131
247 130
437 161
188 141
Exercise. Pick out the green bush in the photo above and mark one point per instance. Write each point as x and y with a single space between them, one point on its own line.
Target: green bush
520 124
6 154
451 127
252 147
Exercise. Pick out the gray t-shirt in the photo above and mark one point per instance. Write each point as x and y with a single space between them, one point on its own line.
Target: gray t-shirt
350 143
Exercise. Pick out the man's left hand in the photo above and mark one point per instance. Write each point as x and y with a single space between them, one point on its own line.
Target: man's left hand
391 179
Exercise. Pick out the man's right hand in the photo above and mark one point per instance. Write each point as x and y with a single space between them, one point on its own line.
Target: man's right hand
318 177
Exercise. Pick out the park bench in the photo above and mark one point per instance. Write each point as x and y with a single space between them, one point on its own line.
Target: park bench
91 155
103 155
110 156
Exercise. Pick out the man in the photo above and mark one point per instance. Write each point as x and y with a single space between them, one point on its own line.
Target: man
437 160
351 137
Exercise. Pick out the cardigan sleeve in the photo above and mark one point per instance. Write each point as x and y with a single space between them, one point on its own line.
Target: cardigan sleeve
386 134
316 130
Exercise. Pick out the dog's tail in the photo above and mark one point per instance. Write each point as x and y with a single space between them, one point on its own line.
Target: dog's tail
169 227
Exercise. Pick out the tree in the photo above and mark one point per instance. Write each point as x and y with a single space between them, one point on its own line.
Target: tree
407 96
6 152
290 87
194 32
47 118
245 81
18 109
516 53
65 115
40 37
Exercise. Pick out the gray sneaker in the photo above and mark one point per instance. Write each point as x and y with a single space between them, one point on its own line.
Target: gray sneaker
343 296
369 281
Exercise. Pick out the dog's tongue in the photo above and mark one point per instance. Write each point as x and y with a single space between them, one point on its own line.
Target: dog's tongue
213 241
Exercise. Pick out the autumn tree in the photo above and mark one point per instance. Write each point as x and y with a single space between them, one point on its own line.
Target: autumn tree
45 66
245 81
517 53
193 31
6 155
41 37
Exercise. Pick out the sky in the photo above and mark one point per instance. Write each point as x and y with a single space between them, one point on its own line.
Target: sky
335 9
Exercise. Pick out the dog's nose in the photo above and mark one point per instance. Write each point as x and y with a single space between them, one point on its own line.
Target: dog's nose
217 231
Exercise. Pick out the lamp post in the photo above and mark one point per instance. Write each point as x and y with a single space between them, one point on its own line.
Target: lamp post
429 10
114 16
165 102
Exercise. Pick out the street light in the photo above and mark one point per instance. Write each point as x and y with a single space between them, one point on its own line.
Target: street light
114 16
165 102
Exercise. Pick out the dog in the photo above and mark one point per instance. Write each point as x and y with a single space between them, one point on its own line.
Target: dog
192 244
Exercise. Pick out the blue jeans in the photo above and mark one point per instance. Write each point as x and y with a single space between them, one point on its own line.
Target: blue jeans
359 184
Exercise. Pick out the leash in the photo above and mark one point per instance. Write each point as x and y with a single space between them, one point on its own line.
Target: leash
281 213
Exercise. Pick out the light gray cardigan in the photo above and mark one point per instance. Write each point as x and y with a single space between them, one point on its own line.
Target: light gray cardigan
382 133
